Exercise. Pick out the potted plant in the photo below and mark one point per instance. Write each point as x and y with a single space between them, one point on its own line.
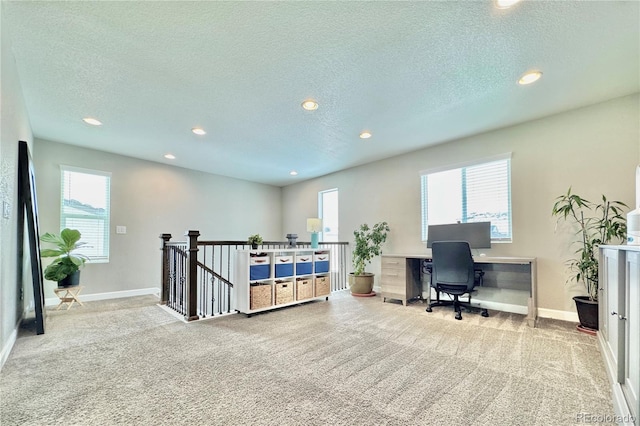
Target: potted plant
597 224
65 270
254 240
367 245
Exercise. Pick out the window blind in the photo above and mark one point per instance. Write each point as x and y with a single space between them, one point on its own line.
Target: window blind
85 206
475 192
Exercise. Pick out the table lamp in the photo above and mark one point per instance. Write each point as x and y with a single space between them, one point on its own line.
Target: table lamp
314 225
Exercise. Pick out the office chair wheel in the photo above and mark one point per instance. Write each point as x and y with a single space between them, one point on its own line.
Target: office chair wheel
485 313
429 309
458 315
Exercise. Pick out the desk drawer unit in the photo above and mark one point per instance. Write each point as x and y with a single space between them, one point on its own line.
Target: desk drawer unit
400 278
394 278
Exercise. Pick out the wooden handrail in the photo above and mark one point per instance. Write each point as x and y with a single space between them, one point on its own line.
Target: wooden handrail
265 243
215 274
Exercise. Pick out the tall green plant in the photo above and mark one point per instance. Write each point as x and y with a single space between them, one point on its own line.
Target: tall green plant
368 242
67 262
600 223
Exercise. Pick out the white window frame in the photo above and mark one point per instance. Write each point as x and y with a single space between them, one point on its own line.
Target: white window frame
424 199
106 218
321 210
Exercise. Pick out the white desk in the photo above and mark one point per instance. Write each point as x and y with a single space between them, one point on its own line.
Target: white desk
510 283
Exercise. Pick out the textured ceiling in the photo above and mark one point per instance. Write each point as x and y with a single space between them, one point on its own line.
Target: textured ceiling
413 73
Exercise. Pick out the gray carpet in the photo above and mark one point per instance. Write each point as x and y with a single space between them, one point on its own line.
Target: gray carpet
348 361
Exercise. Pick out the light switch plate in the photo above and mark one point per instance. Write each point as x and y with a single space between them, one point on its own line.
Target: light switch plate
121 229
6 209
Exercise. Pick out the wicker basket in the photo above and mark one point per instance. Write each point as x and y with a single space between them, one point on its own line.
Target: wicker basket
323 286
284 292
304 289
260 296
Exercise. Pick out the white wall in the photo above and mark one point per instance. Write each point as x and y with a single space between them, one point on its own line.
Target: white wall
151 199
594 149
14 126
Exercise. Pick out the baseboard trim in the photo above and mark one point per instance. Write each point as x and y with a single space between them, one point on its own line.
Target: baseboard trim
6 350
559 315
53 301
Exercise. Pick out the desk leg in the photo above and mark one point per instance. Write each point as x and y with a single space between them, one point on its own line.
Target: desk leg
532 313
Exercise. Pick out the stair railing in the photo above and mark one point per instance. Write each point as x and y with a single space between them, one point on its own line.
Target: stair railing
197 276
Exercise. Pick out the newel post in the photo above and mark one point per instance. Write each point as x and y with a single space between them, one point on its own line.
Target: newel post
164 284
192 276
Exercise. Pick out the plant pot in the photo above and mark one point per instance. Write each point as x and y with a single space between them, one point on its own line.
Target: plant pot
587 312
72 280
361 284
254 246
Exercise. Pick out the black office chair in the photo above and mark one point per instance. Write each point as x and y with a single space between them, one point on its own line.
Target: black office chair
453 273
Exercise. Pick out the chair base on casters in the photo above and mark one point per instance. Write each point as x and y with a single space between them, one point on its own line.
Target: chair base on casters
456 303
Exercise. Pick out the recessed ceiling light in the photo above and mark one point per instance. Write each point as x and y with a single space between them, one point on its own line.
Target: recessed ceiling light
505 4
310 105
530 77
293 173
92 121
170 156
199 131
365 135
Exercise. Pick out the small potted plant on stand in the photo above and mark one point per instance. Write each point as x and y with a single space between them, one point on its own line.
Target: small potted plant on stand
367 245
65 270
597 224
254 240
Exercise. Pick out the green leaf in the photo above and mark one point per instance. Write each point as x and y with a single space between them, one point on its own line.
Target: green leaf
51 238
70 236
51 252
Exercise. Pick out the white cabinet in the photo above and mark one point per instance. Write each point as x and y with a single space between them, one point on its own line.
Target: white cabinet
268 279
631 323
619 327
610 302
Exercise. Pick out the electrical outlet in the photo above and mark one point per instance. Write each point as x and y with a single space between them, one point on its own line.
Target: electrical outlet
121 229
6 209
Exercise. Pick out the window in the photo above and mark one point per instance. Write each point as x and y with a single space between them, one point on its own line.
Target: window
475 192
328 212
85 206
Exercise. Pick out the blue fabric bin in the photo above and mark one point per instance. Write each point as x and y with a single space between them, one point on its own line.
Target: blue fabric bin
322 266
259 272
304 268
304 264
284 266
284 270
259 267
321 260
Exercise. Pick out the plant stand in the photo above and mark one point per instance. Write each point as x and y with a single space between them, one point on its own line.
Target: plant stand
68 295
